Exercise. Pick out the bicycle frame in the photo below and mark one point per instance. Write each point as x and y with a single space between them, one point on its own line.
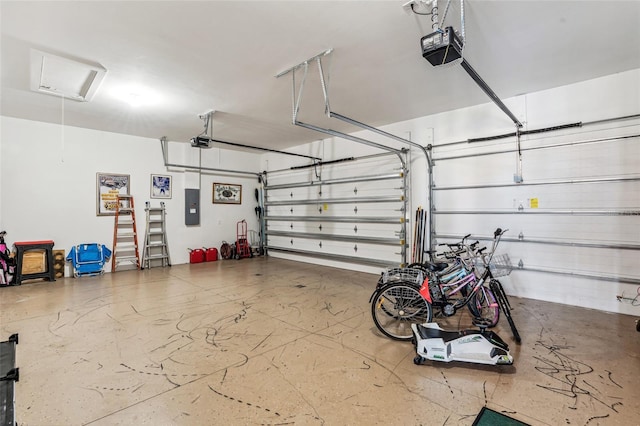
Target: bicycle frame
469 280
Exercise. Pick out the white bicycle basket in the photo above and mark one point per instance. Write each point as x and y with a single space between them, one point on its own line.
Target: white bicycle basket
412 275
500 265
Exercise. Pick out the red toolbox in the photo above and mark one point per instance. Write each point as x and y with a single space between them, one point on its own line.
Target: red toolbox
196 255
211 254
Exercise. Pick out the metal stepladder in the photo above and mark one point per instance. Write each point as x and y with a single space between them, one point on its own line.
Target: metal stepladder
156 248
125 234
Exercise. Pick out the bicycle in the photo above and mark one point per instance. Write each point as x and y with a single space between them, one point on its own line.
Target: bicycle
450 282
404 300
394 307
493 269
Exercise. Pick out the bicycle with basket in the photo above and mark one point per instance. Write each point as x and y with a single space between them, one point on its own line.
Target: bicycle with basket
495 267
406 296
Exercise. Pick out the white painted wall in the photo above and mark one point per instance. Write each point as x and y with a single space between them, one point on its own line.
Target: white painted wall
48 186
1 185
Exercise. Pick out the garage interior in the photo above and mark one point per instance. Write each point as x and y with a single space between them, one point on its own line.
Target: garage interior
318 145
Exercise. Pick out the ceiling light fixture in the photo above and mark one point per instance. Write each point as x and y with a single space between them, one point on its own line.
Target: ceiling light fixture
136 95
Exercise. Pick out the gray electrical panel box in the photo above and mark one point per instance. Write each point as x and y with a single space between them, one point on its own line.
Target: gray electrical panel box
191 207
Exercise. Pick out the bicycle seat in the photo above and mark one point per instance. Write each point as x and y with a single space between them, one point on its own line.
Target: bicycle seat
436 266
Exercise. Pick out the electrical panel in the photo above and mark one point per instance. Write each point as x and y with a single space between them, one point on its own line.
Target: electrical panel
191 207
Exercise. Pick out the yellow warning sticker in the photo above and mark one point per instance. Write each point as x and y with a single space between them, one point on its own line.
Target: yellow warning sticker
533 203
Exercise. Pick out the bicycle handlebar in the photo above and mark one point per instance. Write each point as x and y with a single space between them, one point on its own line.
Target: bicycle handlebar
499 232
456 249
451 244
454 254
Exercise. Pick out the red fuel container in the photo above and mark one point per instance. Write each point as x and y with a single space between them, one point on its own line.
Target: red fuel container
196 256
211 254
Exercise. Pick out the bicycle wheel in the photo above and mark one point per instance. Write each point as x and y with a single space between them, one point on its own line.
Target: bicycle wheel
396 306
497 289
483 304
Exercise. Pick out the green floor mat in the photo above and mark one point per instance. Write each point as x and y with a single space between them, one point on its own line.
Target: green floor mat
488 417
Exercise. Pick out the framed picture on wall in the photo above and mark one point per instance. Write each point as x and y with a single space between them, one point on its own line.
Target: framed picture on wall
108 187
227 193
160 186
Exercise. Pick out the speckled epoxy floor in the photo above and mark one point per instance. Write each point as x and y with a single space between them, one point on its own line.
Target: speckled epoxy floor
270 341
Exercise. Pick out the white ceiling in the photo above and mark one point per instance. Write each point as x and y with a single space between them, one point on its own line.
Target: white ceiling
224 55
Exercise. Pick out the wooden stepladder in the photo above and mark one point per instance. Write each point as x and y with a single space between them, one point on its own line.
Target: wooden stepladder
125 234
156 248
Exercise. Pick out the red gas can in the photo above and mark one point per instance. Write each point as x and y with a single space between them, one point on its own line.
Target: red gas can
211 254
196 256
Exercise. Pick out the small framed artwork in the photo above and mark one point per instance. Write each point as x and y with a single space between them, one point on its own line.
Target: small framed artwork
227 193
108 187
160 186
